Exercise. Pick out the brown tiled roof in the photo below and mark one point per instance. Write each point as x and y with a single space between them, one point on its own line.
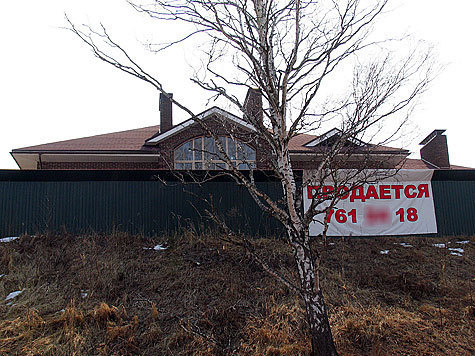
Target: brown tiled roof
133 140
411 163
298 142
130 140
453 166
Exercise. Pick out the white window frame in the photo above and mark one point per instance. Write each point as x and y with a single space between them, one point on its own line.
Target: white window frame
210 163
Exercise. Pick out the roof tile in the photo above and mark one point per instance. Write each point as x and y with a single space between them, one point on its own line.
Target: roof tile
133 140
129 140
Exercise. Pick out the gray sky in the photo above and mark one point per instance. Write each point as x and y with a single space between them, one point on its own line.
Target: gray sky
52 88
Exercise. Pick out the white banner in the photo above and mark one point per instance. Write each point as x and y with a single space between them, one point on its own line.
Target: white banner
399 205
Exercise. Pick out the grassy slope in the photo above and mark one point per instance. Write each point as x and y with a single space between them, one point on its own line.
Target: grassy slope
203 297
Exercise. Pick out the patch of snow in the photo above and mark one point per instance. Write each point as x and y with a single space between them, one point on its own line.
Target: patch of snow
463 242
84 293
403 244
9 239
331 243
2 275
459 250
439 245
14 294
384 252
456 254
159 248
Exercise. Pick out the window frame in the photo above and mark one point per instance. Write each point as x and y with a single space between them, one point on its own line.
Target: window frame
207 157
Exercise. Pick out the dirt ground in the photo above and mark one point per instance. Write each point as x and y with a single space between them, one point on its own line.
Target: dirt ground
116 295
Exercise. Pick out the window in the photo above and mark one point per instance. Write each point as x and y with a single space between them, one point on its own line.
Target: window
203 153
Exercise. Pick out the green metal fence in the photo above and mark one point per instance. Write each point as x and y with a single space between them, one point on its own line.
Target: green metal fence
454 201
137 202
157 202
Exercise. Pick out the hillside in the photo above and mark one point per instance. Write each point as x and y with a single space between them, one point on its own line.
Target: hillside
117 295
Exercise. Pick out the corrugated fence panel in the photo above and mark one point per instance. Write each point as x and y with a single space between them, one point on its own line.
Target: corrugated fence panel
146 207
136 202
454 203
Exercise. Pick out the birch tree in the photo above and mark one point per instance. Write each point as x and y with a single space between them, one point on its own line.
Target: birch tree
290 51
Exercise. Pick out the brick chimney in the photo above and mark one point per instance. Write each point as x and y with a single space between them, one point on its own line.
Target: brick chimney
435 151
166 117
253 106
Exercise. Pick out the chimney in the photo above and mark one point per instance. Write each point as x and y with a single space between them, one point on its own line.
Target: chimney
253 106
435 151
166 122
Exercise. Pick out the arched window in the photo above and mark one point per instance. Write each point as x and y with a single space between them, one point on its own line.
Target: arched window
203 153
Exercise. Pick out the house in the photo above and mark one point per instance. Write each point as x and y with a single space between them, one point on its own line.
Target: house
189 146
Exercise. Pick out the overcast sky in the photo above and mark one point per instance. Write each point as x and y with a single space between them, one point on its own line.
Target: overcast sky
52 88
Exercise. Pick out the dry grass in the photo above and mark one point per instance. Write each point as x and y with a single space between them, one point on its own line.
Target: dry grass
107 295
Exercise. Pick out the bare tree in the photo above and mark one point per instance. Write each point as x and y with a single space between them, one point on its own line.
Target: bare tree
290 51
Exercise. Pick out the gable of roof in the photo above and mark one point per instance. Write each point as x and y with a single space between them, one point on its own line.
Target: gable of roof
303 143
205 114
129 140
327 136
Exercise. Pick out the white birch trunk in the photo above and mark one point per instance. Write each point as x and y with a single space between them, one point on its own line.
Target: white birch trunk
320 332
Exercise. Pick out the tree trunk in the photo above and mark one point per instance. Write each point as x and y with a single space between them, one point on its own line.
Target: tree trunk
320 332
